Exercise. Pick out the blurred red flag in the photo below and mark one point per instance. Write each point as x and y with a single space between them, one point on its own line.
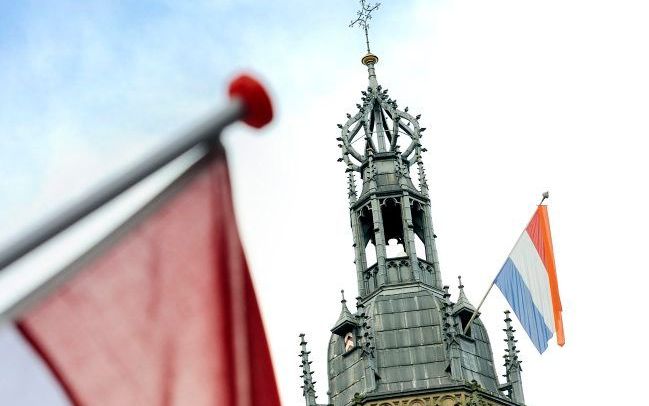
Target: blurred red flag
166 315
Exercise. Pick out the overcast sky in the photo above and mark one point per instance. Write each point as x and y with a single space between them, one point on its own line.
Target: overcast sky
518 97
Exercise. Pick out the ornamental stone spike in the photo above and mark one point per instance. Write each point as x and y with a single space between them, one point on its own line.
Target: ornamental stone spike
366 342
452 344
307 376
460 287
512 363
421 172
351 186
346 321
446 312
463 303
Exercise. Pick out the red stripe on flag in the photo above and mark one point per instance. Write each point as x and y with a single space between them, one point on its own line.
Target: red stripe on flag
534 231
165 316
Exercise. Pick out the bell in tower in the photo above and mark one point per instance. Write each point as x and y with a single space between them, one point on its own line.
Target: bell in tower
407 342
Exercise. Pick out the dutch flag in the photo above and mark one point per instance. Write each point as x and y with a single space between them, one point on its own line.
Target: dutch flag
528 280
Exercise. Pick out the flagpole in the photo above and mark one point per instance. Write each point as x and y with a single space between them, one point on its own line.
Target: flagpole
46 285
249 102
475 313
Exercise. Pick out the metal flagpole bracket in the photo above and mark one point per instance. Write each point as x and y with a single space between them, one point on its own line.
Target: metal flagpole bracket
249 102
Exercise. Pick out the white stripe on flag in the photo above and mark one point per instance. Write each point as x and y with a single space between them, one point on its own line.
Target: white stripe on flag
529 264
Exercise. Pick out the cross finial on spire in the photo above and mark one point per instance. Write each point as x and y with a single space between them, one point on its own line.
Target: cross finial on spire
362 17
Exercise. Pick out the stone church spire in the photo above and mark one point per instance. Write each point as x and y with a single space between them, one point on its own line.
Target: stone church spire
407 342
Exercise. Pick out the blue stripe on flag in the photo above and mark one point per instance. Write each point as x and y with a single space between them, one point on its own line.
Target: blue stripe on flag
511 283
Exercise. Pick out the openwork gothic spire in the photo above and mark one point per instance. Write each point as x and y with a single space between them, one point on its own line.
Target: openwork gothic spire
380 126
390 214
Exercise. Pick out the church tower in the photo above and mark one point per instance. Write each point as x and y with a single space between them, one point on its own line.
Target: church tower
407 343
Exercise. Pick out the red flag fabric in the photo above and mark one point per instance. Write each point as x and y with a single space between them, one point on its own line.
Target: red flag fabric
167 315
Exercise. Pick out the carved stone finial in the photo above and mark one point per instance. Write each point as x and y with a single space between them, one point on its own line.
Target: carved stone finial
512 363
307 376
421 172
450 330
366 342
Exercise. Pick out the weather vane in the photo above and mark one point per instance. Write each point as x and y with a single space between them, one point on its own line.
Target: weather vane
362 17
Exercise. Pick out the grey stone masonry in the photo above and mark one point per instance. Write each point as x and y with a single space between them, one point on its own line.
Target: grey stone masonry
407 339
